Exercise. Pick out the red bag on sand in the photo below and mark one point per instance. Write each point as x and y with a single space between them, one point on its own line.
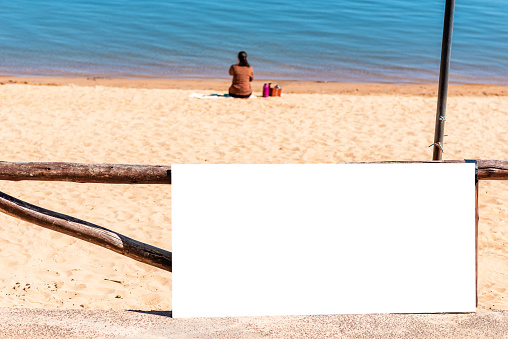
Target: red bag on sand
275 91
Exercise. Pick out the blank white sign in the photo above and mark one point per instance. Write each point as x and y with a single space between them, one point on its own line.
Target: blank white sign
254 240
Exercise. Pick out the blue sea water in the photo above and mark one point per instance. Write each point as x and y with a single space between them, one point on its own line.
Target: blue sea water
394 41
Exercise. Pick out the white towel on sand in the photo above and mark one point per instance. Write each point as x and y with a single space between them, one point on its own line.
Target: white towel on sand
213 96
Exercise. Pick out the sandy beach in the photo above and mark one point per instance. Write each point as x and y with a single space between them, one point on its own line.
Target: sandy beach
155 121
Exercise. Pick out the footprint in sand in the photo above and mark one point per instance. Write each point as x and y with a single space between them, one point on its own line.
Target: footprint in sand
80 287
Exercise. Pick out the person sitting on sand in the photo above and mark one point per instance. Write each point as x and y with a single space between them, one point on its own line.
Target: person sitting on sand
242 74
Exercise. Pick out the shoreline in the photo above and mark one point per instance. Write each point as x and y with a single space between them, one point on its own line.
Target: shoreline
288 86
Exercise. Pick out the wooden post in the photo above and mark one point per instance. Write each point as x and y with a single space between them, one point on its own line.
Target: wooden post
477 219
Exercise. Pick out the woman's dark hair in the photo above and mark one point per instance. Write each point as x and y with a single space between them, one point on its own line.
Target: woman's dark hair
242 57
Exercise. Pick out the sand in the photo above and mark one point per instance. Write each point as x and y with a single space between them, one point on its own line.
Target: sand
45 324
156 122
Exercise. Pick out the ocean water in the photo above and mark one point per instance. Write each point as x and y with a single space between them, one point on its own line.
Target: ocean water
393 41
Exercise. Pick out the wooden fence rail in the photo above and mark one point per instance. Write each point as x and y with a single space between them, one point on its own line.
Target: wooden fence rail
85 173
86 231
492 169
160 174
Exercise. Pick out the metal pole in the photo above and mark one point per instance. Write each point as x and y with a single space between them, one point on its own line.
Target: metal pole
446 48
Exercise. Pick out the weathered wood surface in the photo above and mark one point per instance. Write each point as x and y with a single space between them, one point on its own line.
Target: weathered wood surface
85 173
86 231
492 169
160 174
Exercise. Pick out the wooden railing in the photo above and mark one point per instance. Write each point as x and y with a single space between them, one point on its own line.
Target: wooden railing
127 174
160 174
86 173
